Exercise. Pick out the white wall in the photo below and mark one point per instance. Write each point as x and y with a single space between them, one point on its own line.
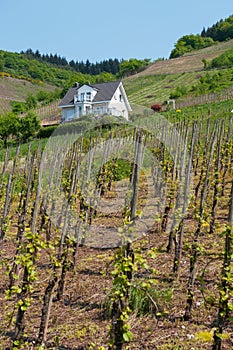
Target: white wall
83 90
119 104
67 113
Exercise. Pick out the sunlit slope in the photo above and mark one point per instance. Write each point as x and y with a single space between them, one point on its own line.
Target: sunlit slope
13 89
160 79
146 90
189 62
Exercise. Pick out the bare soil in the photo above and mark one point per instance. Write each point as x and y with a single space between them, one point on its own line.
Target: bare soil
77 321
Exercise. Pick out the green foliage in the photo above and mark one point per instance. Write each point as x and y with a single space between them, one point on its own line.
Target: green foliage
225 60
9 126
213 82
132 66
122 169
42 98
46 97
47 131
220 31
140 299
180 90
31 102
29 126
18 128
188 43
19 66
122 279
131 294
109 66
28 253
18 107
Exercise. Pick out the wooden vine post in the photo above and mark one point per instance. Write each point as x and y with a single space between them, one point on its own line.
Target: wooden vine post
124 263
226 285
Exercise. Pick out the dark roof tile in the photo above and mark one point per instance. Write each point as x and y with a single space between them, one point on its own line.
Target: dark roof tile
105 92
68 99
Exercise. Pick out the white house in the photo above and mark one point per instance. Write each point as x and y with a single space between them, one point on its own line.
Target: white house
98 99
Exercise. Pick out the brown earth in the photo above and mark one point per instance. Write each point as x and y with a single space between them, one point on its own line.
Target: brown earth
13 89
77 321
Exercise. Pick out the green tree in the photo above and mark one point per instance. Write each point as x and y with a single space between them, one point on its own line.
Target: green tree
220 31
132 66
31 101
189 43
18 107
9 126
225 60
29 126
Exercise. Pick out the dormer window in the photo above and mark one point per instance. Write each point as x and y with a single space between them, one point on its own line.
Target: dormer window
88 96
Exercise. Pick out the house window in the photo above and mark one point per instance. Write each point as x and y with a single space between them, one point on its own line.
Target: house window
120 98
88 110
82 96
88 97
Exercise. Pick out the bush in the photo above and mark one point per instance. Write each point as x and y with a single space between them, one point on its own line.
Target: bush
47 131
188 43
156 107
179 91
225 60
29 126
18 107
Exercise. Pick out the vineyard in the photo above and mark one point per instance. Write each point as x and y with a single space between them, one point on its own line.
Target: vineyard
118 235
49 114
146 89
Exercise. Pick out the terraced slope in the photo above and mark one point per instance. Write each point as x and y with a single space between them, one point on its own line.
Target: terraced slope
145 90
189 62
18 90
155 83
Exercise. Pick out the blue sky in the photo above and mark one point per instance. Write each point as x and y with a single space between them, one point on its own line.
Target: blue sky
102 29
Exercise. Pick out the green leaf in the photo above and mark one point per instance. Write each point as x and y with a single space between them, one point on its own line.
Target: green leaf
127 336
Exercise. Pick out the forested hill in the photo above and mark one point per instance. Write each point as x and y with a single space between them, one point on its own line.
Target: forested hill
55 70
47 77
109 65
18 65
218 32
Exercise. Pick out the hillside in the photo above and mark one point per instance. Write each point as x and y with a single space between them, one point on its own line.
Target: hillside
155 84
21 76
13 89
115 234
189 62
160 79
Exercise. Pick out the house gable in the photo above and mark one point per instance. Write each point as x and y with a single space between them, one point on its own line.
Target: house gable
85 93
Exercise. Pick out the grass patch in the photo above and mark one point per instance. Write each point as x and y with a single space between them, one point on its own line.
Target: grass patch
24 147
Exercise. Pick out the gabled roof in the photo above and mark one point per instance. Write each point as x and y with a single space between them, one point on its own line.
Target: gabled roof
105 92
68 99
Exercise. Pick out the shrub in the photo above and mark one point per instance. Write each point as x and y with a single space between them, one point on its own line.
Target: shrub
179 91
29 126
156 107
46 131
